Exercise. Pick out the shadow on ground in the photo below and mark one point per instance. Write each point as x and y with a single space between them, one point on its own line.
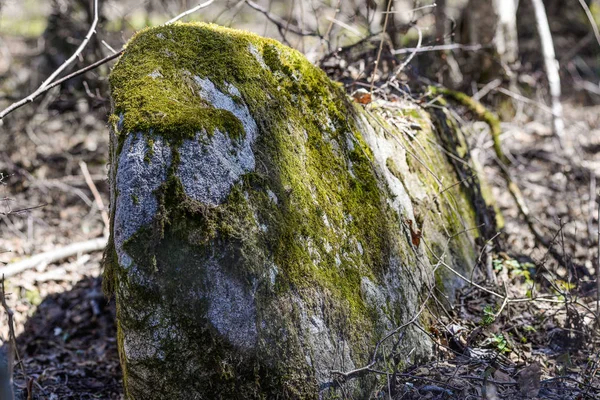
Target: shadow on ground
69 347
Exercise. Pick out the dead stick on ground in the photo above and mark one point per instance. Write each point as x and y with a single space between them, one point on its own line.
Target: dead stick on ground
54 255
97 197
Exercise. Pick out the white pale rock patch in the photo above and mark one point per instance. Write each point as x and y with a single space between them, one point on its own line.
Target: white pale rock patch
254 51
384 147
272 196
231 307
212 164
155 74
325 351
140 345
136 181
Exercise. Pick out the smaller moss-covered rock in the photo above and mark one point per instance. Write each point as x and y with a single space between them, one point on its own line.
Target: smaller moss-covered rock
265 231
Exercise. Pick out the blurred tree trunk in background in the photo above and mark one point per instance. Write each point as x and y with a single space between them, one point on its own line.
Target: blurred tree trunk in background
492 24
440 21
506 32
550 64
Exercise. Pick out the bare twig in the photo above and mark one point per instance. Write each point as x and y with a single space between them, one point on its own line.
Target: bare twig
487 88
190 11
412 55
38 93
77 52
383 33
108 46
280 22
590 17
413 10
22 210
344 25
442 47
54 255
44 87
97 197
524 99
327 36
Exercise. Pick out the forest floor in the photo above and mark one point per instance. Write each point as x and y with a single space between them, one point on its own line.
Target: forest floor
546 349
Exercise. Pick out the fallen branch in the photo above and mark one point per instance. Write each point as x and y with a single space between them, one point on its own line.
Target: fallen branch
96 194
54 256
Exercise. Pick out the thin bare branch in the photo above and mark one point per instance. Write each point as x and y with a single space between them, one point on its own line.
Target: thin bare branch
590 17
280 22
43 89
81 71
344 25
77 52
97 197
385 23
45 86
190 11
442 47
412 55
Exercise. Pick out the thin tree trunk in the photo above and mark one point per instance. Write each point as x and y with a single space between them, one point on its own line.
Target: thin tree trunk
551 65
440 21
491 23
506 31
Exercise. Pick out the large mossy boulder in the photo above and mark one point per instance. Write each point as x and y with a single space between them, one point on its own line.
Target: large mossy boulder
266 231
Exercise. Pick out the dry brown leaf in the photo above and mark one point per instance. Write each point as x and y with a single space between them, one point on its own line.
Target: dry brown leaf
362 96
